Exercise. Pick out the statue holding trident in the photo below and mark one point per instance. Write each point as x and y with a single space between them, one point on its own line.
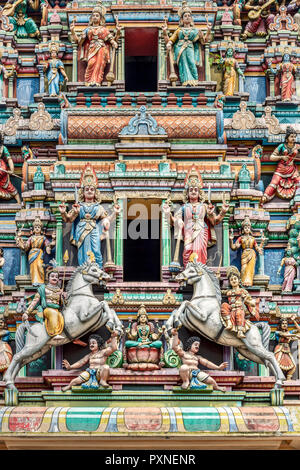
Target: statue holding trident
89 219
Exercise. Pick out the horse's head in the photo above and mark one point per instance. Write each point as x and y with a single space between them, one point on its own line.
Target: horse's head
93 274
191 274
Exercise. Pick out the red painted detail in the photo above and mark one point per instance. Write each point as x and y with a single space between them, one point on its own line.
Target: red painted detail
260 419
143 419
26 419
141 41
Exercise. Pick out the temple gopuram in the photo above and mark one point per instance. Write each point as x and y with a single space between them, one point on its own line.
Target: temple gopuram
150 224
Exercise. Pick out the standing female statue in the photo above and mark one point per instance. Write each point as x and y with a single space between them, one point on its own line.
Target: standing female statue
248 258
186 44
287 71
285 179
290 270
35 246
230 68
282 350
90 220
55 71
7 189
94 43
196 219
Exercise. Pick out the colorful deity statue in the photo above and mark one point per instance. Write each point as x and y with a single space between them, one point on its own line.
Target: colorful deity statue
6 353
231 68
287 70
195 219
248 258
90 219
282 350
55 71
7 189
186 42
290 270
35 245
240 302
98 371
260 17
49 300
189 371
143 347
24 26
95 42
286 176
4 74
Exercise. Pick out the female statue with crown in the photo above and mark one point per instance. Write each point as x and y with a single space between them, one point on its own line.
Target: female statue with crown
35 245
230 70
94 43
186 44
248 258
196 219
90 219
240 302
55 71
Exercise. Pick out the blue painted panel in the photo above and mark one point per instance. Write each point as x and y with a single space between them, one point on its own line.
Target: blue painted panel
12 265
273 259
256 87
26 88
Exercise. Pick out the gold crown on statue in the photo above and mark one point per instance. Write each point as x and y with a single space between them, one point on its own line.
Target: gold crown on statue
100 8
88 177
184 9
142 311
37 222
193 179
53 46
232 270
246 221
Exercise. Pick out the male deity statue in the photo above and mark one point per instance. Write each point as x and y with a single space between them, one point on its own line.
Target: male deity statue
90 220
49 299
24 26
190 358
98 371
7 189
260 17
196 219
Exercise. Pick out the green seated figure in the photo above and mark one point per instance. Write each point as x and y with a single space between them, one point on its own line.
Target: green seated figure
141 333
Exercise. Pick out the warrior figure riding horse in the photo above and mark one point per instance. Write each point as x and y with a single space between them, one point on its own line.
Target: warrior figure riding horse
202 314
82 314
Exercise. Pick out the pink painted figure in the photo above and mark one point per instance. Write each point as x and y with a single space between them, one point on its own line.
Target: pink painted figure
290 269
260 19
287 71
196 220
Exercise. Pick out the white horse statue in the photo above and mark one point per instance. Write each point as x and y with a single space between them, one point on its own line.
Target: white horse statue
83 313
203 314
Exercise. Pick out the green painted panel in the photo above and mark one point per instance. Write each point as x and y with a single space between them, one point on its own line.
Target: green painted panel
83 419
201 419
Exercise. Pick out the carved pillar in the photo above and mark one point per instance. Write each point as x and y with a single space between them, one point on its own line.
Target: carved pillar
241 80
166 240
120 58
42 78
10 87
206 61
272 83
59 239
118 254
226 252
162 58
24 263
74 69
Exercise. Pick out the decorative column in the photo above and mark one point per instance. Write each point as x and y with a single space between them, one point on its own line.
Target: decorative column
272 83
162 57
118 254
42 78
120 59
166 239
206 61
226 252
74 69
10 87
59 239
24 263
241 80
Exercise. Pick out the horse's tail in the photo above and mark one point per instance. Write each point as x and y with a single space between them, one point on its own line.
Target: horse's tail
265 333
20 337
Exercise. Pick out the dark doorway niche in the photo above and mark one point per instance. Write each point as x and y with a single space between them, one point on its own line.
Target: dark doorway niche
141 59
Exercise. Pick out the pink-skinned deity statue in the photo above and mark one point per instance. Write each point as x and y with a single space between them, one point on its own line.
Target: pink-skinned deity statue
195 220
